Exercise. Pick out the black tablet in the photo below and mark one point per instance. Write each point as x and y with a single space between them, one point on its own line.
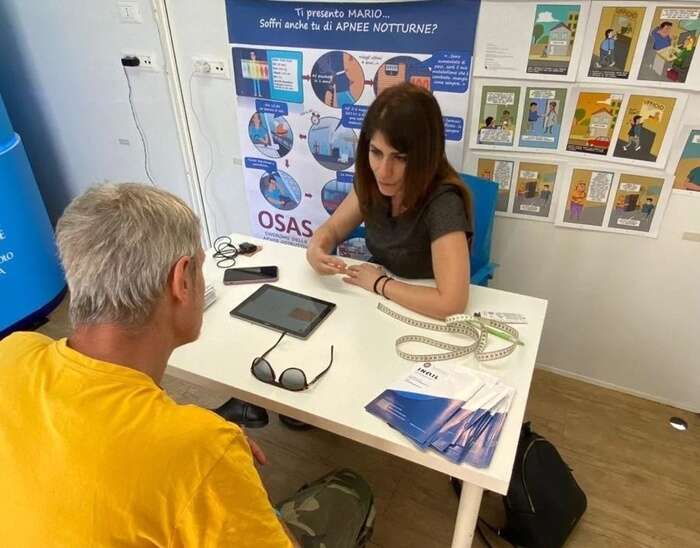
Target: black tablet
284 310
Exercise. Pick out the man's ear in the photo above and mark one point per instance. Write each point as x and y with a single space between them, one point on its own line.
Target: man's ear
181 279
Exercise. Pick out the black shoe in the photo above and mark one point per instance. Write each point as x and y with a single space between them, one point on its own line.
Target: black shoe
243 414
294 424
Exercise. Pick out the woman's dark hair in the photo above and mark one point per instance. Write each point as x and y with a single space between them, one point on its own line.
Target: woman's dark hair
410 120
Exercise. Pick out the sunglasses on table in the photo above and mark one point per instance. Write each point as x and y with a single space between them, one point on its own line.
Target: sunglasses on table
291 378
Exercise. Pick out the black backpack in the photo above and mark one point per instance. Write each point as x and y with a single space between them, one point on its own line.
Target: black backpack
544 502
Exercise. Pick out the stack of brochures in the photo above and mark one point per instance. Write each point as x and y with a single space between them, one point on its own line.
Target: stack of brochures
209 295
453 410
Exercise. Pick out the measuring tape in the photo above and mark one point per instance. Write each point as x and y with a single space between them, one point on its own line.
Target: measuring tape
476 328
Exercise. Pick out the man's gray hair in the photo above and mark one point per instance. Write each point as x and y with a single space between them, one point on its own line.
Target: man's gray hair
118 243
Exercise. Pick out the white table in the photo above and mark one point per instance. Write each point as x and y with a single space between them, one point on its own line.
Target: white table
365 364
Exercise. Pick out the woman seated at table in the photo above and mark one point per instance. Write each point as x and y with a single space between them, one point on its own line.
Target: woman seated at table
415 206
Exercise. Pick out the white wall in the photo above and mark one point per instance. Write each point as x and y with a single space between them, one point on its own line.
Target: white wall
199 30
63 84
624 310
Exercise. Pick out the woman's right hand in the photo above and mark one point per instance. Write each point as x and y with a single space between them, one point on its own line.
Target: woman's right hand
323 263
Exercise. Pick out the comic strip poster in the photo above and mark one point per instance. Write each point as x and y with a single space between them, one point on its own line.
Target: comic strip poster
527 188
501 172
669 47
541 119
530 40
594 120
305 74
587 197
498 115
554 31
608 198
534 189
687 174
644 127
635 202
615 41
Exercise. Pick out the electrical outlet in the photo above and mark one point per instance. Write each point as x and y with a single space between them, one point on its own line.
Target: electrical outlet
146 60
129 11
209 67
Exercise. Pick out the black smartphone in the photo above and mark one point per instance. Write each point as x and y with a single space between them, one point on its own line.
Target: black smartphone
250 275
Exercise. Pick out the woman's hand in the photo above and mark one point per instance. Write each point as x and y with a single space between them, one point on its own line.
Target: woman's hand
323 263
364 275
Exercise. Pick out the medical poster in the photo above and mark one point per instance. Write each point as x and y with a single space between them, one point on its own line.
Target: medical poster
687 174
532 40
635 203
669 47
614 199
643 128
594 119
534 189
500 171
305 73
498 115
611 50
542 115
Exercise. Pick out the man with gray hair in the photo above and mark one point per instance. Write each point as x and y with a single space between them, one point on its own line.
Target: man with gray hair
92 451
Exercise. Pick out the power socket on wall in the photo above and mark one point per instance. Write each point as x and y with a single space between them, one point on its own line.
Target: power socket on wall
129 11
146 60
209 67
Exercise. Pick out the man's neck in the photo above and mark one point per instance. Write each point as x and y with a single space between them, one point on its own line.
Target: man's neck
146 349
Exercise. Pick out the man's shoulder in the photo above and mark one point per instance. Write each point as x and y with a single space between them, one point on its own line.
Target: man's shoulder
22 341
187 436
193 424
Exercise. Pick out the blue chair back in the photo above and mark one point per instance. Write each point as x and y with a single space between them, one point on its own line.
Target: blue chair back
484 197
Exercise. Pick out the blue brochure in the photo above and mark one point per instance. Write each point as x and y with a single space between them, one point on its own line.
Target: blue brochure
421 403
472 434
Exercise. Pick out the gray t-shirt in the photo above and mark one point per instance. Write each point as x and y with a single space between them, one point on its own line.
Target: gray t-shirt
402 243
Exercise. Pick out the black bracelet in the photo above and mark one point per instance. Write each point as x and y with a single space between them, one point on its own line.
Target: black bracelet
377 281
388 279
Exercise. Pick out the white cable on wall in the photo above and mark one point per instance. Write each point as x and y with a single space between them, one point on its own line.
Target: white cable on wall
175 85
142 135
210 147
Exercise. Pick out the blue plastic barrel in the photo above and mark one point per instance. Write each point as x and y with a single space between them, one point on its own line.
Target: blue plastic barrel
7 134
31 278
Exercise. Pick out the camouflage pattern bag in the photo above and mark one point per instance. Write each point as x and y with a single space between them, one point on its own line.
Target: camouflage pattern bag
336 511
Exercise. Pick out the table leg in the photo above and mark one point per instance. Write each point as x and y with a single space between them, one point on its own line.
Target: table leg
467 514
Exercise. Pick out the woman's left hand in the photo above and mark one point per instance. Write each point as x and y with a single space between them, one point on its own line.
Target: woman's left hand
364 275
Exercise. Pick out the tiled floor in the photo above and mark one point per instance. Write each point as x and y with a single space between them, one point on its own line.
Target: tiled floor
642 478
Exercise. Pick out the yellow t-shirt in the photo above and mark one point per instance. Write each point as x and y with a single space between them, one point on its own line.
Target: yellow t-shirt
96 454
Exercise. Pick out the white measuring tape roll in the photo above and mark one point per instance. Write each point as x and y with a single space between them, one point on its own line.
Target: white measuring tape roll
476 328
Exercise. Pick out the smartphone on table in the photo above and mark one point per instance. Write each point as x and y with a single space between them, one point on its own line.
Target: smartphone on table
250 275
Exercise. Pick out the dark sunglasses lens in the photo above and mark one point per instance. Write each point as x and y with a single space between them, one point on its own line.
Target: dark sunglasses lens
262 370
293 379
